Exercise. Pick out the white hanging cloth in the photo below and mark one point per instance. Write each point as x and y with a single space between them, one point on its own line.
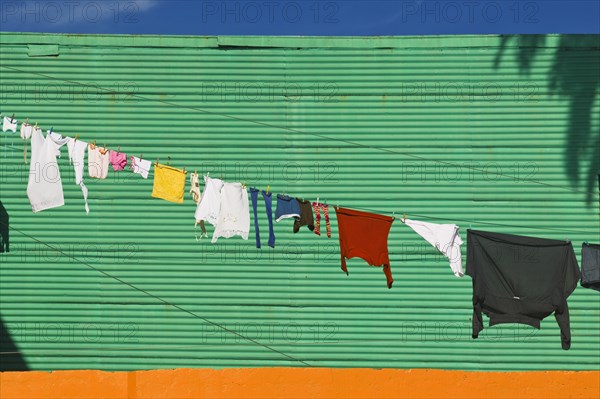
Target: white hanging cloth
445 238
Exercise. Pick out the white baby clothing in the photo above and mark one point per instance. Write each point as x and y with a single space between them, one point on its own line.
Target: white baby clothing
445 238
44 188
234 213
209 205
8 125
98 161
76 156
140 166
26 130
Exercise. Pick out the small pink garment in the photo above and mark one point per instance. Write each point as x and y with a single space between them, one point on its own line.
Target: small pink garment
118 160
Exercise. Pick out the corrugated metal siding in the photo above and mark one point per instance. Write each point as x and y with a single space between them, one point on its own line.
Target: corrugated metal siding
413 104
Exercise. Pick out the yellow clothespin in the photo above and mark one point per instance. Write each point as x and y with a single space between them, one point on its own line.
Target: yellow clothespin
76 137
268 189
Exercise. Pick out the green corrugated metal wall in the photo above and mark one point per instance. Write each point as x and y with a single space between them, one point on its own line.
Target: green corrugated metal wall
468 129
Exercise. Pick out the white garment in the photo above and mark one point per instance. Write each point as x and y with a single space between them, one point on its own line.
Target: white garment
210 203
44 188
8 125
76 156
445 238
140 166
98 160
26 130
234 213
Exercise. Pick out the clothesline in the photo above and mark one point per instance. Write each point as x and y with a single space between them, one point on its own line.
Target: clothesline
394 213
265 124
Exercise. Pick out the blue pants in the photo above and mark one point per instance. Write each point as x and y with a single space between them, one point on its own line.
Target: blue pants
269 208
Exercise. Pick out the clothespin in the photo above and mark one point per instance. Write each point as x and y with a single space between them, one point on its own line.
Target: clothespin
244 185
404 219
195 171
157 159
76 137
567 238
27 121
52 128
119 150
12 118
36 125
141 155
470 226
393 215
268 189
94 143
104 147
317 200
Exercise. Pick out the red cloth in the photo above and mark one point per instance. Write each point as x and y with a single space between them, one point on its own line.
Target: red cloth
364 235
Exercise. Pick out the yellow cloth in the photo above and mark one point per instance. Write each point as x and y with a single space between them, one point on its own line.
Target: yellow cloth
169 183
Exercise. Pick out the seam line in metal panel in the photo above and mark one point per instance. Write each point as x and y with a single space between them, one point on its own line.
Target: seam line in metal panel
161 299
296 130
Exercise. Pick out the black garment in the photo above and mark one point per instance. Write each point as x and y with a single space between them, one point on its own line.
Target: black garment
518 279
590 266
306 216
4 229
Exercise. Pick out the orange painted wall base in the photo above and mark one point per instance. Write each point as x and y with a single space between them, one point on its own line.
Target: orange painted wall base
267 383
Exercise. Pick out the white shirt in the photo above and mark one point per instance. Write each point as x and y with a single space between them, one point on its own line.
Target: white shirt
44 188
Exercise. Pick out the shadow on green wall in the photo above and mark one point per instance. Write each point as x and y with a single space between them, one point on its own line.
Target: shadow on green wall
575 76
10 357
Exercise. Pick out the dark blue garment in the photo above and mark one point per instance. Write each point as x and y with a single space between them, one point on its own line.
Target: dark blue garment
254 196
269 209
287 207
269 206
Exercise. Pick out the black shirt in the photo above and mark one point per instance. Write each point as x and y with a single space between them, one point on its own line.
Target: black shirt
519 279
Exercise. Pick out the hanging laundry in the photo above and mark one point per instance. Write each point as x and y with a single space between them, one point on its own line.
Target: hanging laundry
210 203
318 207
590 266
98 160
268 198
445 238
26 130
118 160
44 188
195 189
8 124
4 230
76 156
169 183
287 207
519 279
365 235
268 205
306 216
140 166
234 213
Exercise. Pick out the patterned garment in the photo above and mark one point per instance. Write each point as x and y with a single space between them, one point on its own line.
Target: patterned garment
317 207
